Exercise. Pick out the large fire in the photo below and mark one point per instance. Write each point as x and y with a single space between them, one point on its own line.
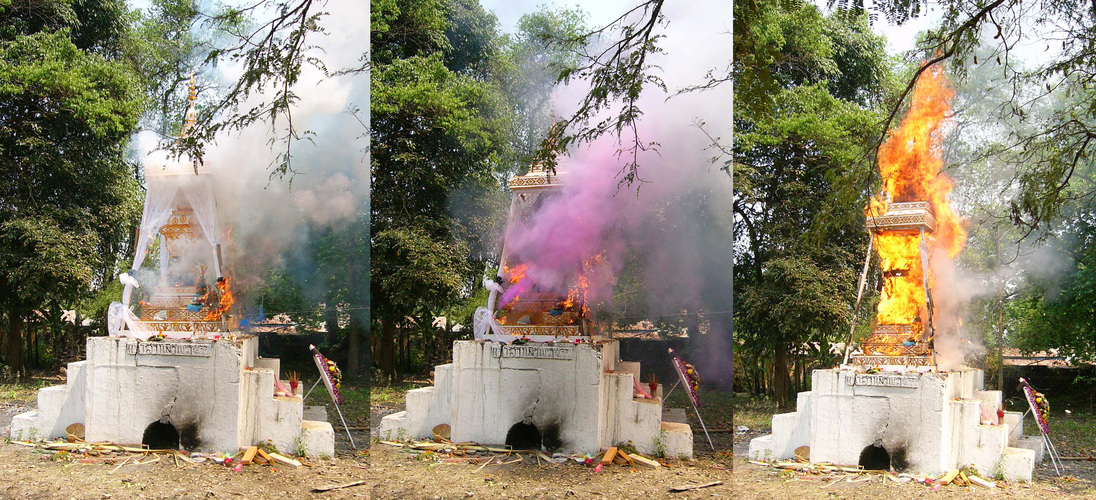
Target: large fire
909 164
516 285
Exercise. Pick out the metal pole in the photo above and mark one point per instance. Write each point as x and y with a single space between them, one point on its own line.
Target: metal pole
310 390
345 428
666 395
702 426
859 295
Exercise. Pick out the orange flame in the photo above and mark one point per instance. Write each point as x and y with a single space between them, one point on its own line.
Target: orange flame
910 164
582 286
516 273
226 301
569 302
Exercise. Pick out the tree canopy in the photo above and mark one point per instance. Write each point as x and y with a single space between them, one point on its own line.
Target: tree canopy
69 100
802 142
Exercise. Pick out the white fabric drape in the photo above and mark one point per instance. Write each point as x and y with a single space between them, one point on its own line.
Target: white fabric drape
162 196
119 315
199 192
483 323
158 198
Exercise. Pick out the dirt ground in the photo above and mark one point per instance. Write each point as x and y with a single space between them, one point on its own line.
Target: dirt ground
387 472
1078 481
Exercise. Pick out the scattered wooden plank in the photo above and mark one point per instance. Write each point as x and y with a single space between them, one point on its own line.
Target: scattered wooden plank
330 487
609 455
619 460
981 482
963 477
156 458
677 489
249 455
645 461
626 457
431 446
947 478
392 443
284 460
64 446
264 456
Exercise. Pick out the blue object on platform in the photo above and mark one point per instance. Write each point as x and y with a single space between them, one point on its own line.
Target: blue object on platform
193 308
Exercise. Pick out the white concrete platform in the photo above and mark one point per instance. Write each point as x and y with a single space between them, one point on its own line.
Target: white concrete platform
217 394
582 394
928 422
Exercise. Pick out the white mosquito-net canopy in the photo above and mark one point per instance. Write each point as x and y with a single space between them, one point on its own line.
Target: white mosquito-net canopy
169 184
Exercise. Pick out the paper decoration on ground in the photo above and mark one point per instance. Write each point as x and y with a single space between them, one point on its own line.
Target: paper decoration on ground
329 373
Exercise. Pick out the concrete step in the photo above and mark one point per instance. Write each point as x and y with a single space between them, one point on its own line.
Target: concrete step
1017 464
1014 421
23 427
51 399
394 427
676 440
1033 443
761 448
317 438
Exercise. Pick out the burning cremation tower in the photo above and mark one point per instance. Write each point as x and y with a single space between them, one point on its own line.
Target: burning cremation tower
539 367
178 374
907 402
908 343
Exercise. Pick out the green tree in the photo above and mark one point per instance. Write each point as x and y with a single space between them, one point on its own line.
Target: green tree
546 43
66 110
798 156
437 130
1046 154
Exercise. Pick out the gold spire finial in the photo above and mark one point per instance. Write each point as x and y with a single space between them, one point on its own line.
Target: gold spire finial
191 112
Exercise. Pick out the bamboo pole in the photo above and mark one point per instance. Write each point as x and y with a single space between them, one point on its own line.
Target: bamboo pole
859 295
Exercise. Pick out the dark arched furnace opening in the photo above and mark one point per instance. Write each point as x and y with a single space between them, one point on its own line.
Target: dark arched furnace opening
523 436
161 436
875 457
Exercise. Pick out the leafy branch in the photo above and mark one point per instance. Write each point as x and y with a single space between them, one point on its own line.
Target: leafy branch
616 73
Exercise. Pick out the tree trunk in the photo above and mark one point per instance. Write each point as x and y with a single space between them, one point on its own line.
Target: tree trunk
782 387
1000 321
14 350
388 348
35 347
331 323
692 324
353 334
